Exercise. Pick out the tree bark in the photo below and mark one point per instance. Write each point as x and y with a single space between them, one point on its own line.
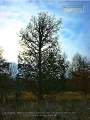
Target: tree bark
40 92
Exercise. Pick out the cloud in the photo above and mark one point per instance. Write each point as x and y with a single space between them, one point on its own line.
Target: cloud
15 15
72 42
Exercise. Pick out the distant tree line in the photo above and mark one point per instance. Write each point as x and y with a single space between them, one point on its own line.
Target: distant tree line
42 68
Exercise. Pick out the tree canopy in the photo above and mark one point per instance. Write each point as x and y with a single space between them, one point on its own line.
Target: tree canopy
38 39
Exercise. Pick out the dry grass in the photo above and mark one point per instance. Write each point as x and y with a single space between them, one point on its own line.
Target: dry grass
59 96
28 96
72 96
64 106
60 110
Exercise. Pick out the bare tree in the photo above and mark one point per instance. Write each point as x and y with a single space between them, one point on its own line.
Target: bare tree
81 73
4 75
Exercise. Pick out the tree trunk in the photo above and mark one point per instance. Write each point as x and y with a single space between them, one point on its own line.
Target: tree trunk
6 98
1 90
17 99
40 93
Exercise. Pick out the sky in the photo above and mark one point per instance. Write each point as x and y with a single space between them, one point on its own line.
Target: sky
74 35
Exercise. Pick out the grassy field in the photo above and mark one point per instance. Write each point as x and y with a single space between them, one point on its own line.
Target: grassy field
48 110
63 106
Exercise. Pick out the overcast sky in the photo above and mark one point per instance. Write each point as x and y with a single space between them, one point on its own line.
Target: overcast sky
74 35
